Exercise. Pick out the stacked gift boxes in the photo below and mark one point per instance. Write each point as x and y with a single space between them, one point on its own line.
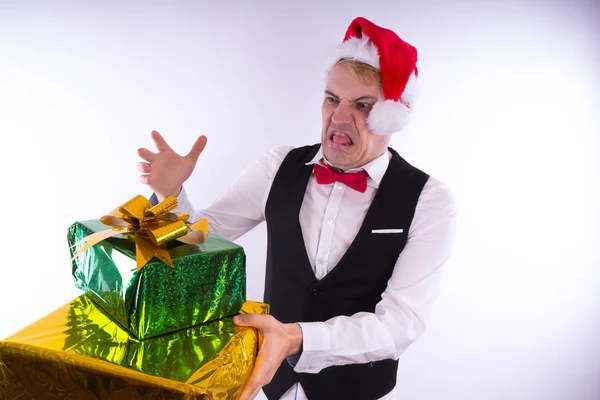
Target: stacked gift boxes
158 331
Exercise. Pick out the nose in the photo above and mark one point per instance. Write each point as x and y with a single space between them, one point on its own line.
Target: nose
342 113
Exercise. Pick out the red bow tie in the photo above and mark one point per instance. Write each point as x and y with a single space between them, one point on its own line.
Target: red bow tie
326 175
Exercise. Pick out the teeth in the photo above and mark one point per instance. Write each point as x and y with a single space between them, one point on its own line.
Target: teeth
340 134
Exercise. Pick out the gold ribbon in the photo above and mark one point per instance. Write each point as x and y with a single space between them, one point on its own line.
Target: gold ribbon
151 226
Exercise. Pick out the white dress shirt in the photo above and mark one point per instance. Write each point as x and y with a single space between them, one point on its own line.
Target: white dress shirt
330 218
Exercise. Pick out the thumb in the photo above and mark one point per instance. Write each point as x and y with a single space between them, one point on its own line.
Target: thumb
254 320
197 148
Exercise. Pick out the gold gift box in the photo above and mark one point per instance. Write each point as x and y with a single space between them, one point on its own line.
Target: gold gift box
79 352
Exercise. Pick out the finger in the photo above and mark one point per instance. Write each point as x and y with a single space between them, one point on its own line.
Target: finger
143 167
254 320
251 388
253 395
145 179
147 154
161 144
262 374
197 148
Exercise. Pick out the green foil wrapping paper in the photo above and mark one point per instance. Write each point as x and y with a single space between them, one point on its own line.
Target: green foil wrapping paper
208 282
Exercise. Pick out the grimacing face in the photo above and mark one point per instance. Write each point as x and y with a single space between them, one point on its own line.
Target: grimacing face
346 140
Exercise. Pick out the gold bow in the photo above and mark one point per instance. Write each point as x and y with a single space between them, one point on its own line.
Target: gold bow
151 226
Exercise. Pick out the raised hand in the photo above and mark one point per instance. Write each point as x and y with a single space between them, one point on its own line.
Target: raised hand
164 172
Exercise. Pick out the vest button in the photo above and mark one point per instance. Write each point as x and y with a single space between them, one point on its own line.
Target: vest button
316 291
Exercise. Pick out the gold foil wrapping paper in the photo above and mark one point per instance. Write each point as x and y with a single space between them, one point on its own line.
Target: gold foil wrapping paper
79 352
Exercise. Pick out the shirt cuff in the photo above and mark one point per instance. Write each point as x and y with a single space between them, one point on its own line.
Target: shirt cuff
181 196
316 343
153 199
293 359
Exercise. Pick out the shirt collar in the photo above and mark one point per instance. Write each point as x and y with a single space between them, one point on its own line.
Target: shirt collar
375 168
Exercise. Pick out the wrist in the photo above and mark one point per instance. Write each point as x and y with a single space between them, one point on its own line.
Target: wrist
294 332
160 197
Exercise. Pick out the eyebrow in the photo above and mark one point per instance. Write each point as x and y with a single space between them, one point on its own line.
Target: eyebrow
355 100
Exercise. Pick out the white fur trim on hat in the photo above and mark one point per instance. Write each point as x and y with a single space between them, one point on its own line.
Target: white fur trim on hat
390 116
357 49
409 95
387 117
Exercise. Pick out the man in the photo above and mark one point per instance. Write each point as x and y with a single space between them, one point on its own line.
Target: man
356 235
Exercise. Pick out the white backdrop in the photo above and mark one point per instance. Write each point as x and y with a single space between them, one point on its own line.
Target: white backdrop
507 117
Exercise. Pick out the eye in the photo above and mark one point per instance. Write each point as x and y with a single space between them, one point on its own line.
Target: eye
330 100
364 106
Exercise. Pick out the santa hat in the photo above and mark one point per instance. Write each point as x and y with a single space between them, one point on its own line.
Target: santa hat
395 59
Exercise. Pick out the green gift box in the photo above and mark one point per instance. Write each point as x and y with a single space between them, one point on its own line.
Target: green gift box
207 281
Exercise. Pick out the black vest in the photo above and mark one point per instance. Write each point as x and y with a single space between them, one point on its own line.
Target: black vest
355 284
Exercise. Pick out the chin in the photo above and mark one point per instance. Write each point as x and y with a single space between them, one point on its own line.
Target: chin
339 160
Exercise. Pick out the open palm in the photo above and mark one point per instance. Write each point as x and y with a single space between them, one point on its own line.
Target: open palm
165 171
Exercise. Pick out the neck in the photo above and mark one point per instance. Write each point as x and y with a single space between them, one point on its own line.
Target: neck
338 169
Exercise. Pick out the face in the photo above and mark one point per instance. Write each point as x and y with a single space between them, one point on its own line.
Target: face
346 140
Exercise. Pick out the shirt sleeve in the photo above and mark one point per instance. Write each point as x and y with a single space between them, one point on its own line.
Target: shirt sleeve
242 206
400 317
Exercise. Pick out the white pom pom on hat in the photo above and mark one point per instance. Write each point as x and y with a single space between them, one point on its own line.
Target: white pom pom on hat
396 60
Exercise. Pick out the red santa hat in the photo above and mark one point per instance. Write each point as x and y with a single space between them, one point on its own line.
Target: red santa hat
395 59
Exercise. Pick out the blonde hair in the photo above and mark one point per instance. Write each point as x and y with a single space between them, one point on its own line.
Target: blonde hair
365 73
